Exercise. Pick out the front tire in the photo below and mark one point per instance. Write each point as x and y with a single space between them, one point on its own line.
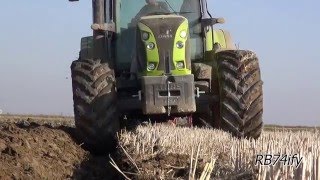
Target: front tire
95 111
240 90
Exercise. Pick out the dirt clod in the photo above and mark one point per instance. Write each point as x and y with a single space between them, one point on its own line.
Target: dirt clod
3 145
36 150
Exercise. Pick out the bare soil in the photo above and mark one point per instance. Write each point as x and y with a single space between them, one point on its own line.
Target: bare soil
42 147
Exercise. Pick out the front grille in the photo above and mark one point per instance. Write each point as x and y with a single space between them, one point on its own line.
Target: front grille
164 29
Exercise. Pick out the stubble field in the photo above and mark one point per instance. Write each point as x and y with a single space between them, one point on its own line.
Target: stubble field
45 147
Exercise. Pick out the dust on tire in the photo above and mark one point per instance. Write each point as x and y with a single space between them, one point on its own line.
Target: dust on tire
94 96
241 95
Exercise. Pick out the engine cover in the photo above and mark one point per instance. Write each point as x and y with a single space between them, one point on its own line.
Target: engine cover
166 45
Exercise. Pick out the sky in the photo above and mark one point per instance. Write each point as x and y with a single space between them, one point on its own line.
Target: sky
40 39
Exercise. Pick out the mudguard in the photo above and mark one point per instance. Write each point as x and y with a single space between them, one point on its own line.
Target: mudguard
215 39
218 37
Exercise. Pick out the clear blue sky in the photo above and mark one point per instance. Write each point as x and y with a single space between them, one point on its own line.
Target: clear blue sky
39 39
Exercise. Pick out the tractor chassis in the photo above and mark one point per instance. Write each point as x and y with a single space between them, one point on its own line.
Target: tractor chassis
164 95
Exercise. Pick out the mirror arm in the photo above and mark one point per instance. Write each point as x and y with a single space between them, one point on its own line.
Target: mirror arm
212 21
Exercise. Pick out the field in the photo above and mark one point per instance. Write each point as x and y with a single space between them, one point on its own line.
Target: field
42 147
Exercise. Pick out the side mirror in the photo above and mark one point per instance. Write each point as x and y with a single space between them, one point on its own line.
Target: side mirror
212 21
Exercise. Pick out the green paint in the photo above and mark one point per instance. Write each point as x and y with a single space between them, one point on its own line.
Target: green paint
160 73
219 37
152 55
214 36
209 39
180 54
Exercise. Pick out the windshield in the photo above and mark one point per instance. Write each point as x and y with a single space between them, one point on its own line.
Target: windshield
132 10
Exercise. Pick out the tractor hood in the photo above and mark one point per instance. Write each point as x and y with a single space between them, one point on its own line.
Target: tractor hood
166 45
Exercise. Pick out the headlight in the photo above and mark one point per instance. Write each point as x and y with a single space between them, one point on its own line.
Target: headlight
183 34
145 36
180 65
151 66
150 46
180 44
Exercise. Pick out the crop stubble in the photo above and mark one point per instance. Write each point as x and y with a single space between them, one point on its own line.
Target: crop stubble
149 151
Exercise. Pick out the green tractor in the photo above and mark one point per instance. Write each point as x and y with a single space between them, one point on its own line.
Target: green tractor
162 60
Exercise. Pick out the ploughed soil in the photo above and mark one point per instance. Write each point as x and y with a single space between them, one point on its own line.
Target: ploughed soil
46 147
31 148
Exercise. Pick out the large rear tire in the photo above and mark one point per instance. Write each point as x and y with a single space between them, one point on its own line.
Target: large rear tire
95 111
240 90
